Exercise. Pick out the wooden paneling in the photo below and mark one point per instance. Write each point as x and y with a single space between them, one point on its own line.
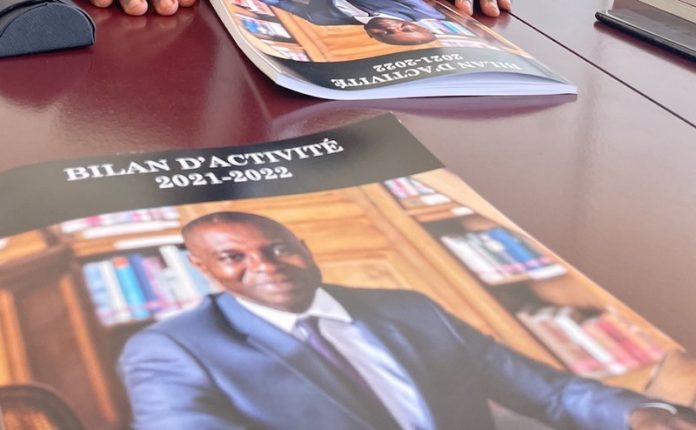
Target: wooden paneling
44 336
21 245
351 236
13 361
675 380
54 351
338 42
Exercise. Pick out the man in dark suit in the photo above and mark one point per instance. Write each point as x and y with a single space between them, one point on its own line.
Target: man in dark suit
388 21
342 12
281 350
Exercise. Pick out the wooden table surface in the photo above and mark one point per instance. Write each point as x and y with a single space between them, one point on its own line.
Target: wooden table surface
606 179
661 76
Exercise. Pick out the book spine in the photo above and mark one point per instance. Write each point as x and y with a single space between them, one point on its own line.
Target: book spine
154 270
410 190
252 5
96 285
510 265
471 259
547 272
434 199
117 300
396 189
478 247
451 27
570 353
568 324
141 215
432 26
186 290
73 226
514 247
130 287
615 348
261 7
106 219
151 300
202 283
638 346
168 213
420 187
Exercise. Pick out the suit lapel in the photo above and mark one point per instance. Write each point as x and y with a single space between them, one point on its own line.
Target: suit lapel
298 358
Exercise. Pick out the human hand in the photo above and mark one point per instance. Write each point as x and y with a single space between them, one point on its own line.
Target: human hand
139 7
659 419
488 7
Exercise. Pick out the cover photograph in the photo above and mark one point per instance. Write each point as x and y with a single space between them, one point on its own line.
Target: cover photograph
367 49
340 280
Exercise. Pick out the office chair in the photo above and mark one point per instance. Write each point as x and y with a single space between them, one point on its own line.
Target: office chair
35 407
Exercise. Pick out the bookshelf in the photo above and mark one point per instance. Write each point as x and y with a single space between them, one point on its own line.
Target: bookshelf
547 310
21 245
133 269
383 235
271 35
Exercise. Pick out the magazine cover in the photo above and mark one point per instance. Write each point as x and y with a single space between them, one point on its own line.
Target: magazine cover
358 49
341 280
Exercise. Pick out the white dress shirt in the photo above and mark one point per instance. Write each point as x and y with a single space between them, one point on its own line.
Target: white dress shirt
358 14
380 370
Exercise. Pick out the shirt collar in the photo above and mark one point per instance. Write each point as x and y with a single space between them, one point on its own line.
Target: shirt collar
356 13
323 306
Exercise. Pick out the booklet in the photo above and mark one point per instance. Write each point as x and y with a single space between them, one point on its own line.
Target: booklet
242 287
366 49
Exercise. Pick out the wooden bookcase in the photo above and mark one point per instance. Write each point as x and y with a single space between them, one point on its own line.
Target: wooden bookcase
47 328
361 236
497 303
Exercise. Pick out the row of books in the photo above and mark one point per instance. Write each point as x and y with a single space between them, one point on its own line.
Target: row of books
139 286
498 256
596 346
255 6
135 221
290 52
438 26
265 28
413 193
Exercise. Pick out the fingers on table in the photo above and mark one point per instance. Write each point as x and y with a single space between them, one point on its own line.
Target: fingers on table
505 5
134 7
165 7
101 3
139 7
168 7
490 7
465 6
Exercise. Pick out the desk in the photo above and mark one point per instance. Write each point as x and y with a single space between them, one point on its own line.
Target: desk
605 179
661 76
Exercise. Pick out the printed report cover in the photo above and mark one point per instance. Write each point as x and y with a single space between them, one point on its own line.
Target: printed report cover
367 49
342 280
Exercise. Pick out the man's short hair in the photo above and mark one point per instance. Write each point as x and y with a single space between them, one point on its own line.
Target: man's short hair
227 217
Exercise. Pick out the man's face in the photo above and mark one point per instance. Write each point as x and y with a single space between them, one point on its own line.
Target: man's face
398 32
262 262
